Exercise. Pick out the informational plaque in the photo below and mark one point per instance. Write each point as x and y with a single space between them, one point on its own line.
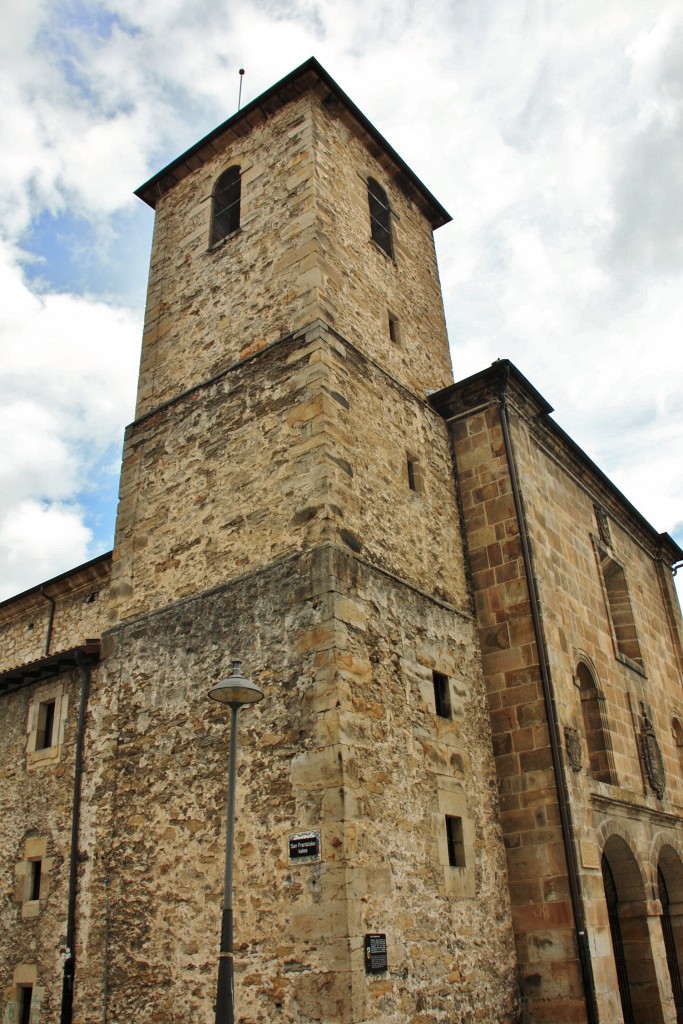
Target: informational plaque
376 954
304 848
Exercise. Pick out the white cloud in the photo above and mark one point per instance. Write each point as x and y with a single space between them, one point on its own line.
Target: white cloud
66 389
50 529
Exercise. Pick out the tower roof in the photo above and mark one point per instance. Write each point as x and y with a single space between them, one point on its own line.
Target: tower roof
309 75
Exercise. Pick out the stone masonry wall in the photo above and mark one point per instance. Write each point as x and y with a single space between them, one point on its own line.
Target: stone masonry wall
35 810
559 497
346 741
208 308
361 285
303 252
306 441
565 532
542 915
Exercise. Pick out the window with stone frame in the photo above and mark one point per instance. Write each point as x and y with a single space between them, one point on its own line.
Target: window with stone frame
455 841
595 727
620 611
442 694
45 726
225 205
25 996
414 474
33 876
380 217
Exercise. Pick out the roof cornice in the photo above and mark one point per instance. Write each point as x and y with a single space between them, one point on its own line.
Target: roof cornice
502 381
309 75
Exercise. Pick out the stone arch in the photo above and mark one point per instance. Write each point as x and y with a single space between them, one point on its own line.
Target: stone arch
670 894
595 725
626 897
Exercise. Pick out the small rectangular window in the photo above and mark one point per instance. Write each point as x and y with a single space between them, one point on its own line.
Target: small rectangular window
442 695
34 881
456 845
46 725
412 477
25 1000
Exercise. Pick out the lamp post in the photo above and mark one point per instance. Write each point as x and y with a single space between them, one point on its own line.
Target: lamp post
235 691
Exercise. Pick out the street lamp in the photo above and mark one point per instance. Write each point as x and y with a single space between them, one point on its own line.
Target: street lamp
235 691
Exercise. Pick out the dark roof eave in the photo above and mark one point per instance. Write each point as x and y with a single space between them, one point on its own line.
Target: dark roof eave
50 666
188 161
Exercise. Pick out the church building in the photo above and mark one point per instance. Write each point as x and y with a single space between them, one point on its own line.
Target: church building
461 798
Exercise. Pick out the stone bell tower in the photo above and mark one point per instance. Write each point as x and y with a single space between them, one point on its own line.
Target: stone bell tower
287 497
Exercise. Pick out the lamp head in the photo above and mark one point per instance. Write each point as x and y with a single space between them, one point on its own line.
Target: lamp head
236 690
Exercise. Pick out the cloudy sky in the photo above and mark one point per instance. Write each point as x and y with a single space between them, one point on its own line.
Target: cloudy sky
551 130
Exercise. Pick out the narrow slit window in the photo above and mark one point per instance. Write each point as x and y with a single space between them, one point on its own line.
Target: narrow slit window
412 483
456 844
46 725
36 871
380 216
394 330
25 1000
225 211
414 474
442 696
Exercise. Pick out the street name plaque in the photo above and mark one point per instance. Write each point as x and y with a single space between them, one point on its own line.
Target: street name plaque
304 848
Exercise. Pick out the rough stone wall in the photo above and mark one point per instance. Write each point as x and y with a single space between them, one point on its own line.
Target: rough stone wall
209 307
306 441
346 742
35 805
303 252
361 285
80 613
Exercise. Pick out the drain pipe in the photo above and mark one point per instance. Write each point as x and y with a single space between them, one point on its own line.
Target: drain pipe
551 714
70 955
50 619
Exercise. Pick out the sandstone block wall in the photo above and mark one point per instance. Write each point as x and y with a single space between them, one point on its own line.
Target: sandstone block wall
306 441
559 496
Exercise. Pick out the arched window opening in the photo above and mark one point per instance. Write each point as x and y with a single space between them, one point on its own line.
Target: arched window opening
670 890
380 216
225 210
677 731
595 728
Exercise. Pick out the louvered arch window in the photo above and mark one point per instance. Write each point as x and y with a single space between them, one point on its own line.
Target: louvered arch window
225 209
380 216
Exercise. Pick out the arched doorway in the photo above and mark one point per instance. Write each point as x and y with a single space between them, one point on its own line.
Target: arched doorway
627 912
670 889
